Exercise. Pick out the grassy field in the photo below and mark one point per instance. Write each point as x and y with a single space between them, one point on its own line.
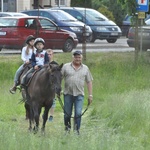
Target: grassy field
118 119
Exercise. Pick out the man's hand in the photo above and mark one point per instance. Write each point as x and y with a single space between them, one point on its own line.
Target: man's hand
90 98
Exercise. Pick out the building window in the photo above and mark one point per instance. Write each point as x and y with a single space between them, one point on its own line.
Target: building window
8 5
60 2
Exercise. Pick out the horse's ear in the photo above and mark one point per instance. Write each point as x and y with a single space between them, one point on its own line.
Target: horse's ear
61 65
51 66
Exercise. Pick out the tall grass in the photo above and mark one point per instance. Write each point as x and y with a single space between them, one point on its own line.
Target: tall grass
118 118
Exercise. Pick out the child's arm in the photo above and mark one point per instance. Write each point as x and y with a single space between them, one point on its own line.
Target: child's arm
33 61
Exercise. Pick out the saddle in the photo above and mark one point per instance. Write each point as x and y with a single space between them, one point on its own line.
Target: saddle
29 77
25 66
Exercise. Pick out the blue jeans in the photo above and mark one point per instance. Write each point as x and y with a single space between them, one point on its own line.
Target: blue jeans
69 102
18 72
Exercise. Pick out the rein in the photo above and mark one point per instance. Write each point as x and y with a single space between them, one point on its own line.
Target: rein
62 105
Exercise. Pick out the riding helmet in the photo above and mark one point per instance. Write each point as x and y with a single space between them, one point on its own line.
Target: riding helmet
39 40
30 38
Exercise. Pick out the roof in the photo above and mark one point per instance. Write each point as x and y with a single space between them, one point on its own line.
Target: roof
17 17
13 14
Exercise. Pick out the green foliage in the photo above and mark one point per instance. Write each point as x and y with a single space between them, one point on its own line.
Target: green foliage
130 5
81 3
96 4
114 7
106 13
117 11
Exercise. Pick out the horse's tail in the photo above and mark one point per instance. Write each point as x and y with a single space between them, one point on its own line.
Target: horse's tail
21 101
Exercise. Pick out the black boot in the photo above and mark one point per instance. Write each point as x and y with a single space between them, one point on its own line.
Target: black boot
13 89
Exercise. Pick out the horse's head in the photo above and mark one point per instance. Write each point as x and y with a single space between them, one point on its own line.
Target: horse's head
56 77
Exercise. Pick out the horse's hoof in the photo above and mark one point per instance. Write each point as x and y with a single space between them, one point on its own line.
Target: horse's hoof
27 118
29 129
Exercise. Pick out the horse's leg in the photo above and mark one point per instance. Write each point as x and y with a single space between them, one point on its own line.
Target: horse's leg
36 117
45 116
30 118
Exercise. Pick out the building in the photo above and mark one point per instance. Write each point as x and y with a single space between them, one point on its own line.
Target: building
19 5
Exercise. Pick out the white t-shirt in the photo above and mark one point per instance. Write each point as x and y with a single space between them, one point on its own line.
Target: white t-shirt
24 56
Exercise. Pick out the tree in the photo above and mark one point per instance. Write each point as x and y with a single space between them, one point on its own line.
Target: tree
104 10
130 5
112 6
81 3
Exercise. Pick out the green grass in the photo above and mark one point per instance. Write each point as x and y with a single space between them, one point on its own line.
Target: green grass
118 119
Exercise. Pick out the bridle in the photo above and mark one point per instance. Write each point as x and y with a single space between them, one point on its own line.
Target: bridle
62 105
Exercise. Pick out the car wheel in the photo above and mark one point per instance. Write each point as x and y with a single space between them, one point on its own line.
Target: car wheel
0 48
90 38
111 40
68 46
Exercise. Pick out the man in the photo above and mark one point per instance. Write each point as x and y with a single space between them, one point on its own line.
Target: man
75 75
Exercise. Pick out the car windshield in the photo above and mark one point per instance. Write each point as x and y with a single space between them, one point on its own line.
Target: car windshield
93 15
63 16
8 22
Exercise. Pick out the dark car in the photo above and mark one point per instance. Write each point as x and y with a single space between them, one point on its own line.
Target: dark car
143 36
102 27
63 20
127 23
14 31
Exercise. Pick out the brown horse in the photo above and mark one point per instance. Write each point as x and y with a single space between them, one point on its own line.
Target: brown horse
41 92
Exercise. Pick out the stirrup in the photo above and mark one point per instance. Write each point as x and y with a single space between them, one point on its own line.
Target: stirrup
22 86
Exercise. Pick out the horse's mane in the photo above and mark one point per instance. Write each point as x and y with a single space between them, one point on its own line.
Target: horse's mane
53 67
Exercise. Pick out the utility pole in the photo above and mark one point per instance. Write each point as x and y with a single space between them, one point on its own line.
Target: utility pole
2 6
84 36
136 41
84 43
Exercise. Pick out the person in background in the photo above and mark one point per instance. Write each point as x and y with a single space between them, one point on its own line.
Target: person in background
25 56
75 74
51 59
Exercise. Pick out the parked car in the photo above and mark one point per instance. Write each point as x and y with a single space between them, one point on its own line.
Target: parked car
143 35
127 23
102 27
5 14
16 29
63 20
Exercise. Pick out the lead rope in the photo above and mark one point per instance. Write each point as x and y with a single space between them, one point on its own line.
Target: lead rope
62 105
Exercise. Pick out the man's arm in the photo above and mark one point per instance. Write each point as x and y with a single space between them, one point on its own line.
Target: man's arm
90 97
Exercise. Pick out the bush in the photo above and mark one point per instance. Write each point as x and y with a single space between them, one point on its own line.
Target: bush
106 13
